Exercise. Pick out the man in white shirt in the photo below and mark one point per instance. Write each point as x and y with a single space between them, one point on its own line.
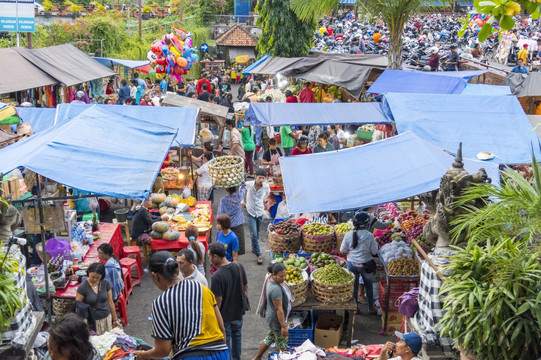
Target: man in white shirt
341 135
256 193
188 271
407 348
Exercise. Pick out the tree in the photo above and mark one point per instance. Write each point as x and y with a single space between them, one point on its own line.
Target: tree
395 13
283 33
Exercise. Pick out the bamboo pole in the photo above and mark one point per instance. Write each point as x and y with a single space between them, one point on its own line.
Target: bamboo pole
430 262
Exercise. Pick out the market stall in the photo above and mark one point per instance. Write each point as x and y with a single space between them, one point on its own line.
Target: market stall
179 221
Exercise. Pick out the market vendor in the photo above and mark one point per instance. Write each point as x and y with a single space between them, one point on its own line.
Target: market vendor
407 348
272 157
113 270
204 182
142 222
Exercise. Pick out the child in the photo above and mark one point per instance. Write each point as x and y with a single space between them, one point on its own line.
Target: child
196 247
226 237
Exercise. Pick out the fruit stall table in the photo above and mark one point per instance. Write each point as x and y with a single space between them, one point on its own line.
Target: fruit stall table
349 308
183 242
111 234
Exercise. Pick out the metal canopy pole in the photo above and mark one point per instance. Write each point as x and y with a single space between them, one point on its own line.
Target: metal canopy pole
45 270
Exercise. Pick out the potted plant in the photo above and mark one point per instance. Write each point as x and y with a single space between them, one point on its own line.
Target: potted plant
154 7
12 297
492 299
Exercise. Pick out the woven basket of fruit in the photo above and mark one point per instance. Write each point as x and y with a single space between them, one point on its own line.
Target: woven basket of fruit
226 171
319 260
317 237
297 281
340 231
332 284
284 237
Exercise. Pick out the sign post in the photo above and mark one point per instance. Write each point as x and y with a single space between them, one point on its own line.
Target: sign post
17 15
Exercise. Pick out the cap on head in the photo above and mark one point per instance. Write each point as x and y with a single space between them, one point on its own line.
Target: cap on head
525 45
413 341
80 95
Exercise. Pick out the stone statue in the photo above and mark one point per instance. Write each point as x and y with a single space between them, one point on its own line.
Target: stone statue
452 185
9 220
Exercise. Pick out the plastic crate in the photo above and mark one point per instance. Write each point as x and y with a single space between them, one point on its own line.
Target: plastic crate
276 221
397 289
298 336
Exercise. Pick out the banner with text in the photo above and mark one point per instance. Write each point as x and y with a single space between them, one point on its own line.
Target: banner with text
17 15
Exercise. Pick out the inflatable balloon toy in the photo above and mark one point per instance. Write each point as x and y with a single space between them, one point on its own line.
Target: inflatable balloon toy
479 22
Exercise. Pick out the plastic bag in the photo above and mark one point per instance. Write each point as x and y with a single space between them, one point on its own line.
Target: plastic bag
407 303
57 247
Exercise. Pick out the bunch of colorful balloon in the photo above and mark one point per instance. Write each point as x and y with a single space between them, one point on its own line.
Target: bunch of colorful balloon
173 55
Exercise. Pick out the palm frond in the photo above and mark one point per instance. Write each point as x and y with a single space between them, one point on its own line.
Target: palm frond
312 10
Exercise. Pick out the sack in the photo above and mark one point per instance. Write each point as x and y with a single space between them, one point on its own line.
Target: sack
407 303
370 266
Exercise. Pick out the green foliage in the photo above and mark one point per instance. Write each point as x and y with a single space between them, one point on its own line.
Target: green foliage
206 10
503 11
284 34
11 298
493 300
513 210
47 6
146 9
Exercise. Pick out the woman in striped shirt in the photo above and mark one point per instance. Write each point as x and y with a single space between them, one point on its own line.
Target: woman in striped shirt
186 323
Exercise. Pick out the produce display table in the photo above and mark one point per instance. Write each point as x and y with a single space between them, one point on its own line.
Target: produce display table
110 233
350 307
183 242
404 283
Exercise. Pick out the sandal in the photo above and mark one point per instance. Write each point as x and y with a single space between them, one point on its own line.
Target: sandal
259 260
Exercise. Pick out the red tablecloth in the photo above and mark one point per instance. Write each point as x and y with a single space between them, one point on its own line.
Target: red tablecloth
183 242
110 233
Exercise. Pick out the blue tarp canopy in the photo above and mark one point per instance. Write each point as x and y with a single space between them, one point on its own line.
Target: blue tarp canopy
496 124
39 118
248 69
396 81
488 90
183 118
464 74
132 64
276 114
98 151
347 2
375 173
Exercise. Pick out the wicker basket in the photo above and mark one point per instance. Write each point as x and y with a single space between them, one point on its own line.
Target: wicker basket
339 239
227 171
281 244
317 243
62 306
299 290
332 294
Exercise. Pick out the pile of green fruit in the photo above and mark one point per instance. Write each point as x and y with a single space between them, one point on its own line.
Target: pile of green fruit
317 229
343 228
298 262
319 260
294 275
333 274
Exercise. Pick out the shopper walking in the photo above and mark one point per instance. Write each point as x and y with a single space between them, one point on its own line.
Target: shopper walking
228 284
256 193
249 146
277 305
231 204
360 246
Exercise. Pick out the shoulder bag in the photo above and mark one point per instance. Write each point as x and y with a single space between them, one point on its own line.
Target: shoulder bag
245 300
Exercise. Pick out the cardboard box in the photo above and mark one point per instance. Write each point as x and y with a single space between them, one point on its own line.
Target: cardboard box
11 187
394 322
328 330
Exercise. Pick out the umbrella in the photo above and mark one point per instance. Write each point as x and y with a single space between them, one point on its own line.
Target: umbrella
242 59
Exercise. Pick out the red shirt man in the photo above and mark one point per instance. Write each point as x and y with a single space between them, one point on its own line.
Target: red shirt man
306 95
200 83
